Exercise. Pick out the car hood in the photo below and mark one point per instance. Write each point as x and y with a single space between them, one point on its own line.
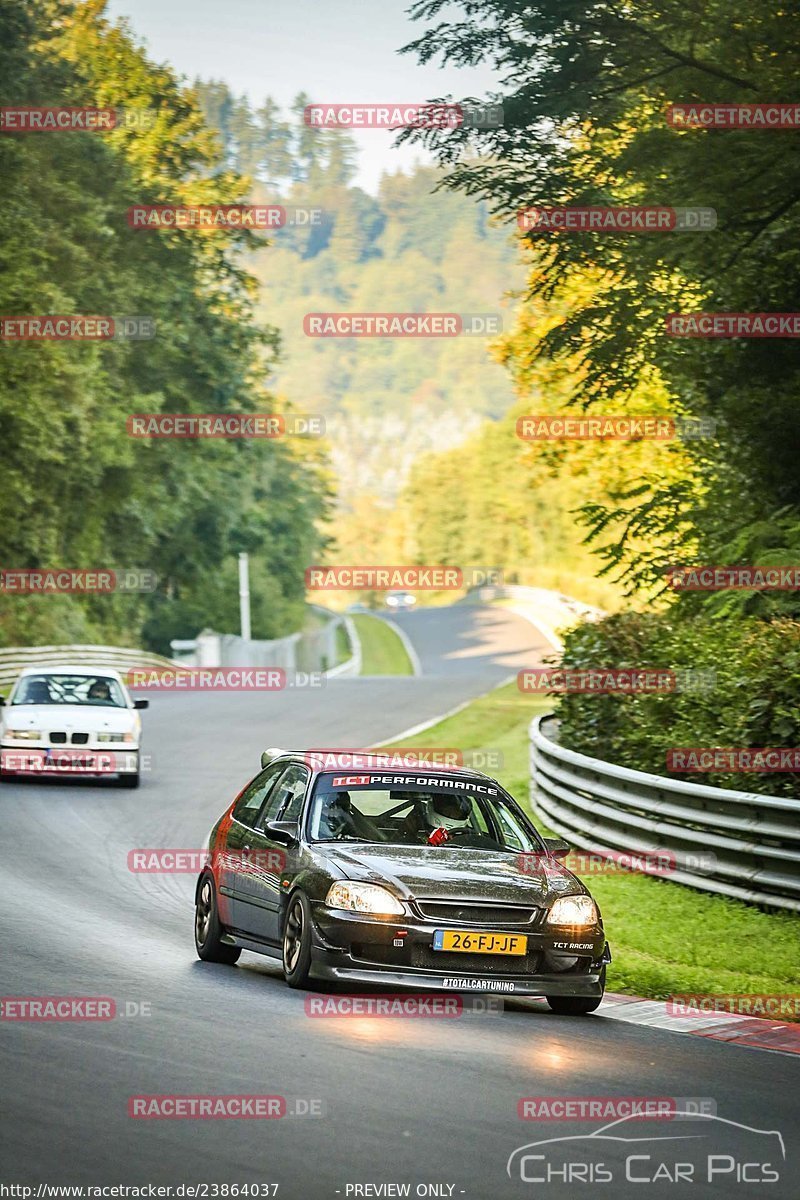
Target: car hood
457 873
88 718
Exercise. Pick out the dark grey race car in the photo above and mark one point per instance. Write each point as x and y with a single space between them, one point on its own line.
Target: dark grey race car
426 878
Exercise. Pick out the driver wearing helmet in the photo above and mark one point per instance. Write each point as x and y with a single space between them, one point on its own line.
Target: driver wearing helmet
449 812
99 690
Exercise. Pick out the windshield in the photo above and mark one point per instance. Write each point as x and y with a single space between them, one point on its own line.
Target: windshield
100 691
415 811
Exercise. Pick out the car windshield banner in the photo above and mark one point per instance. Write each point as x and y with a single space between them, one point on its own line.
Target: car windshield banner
420 782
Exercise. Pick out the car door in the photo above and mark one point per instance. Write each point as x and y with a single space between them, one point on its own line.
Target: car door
268 857
235 866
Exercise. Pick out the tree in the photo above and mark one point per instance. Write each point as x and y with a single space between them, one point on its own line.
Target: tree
587 85
78 491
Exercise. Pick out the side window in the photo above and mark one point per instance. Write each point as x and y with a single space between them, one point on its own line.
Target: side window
255 793
287 799
513 833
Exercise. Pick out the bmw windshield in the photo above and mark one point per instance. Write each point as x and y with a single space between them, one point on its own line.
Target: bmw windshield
100 691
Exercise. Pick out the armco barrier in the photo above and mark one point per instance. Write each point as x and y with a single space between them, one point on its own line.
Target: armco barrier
736 844
120 658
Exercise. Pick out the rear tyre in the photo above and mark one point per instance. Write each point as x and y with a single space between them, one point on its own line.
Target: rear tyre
577 1006
297 941
207 929
129 781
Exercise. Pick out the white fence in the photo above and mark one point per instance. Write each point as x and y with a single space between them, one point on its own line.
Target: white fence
313 650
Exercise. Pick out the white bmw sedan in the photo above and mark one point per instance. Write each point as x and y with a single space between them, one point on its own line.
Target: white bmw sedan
71 721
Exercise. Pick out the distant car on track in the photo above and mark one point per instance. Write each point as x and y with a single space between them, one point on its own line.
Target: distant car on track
71 721
431 878
400 600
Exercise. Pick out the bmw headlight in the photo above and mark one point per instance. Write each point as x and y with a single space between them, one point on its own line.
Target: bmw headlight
364 898
23 735
116 737
573 910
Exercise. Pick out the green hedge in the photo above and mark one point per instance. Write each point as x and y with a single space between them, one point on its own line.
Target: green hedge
754 700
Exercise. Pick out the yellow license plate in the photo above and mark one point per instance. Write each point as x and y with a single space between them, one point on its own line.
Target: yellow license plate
468 941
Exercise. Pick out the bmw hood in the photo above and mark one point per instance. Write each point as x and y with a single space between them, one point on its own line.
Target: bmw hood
87 718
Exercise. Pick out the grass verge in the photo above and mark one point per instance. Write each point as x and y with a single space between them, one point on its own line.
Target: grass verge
382 651
664 938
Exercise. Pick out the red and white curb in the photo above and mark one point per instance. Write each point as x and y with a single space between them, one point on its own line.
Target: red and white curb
760 1033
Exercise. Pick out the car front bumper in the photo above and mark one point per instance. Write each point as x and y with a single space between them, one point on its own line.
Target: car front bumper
69 761
348 948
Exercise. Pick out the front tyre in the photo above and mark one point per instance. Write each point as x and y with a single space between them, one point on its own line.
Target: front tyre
297 941
577 1006
207 929
129 781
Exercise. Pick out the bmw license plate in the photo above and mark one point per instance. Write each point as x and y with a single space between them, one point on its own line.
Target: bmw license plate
68 760
469 942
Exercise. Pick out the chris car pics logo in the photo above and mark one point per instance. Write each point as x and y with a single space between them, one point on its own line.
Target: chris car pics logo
694 1147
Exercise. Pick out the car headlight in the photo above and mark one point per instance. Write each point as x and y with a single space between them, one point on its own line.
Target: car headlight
23 735
116 737
573 910
364 898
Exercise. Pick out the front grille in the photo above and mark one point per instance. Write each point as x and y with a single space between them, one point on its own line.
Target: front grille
80 739
58 737
424 958
466 912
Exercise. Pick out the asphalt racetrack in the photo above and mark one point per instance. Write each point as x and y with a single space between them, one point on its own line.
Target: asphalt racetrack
373 1104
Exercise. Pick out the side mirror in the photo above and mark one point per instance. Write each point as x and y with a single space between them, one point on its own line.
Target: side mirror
285 832
141 704
557 847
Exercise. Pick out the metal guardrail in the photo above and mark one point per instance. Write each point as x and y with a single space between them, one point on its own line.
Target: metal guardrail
121 658
737 844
